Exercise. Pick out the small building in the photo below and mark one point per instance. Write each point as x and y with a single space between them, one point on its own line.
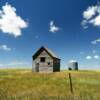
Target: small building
73 65
44 60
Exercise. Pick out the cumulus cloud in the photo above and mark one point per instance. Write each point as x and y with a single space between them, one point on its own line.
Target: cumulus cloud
10 22
95 41
92 57
53 27
90 12
91 16
5 48
96 56
88 57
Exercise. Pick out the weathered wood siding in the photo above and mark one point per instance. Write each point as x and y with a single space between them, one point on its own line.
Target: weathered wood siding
45 69
43 65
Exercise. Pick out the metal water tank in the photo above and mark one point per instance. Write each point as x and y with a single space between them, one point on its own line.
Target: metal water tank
73 65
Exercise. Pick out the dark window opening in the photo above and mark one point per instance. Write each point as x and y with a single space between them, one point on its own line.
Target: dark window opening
42 59
48 63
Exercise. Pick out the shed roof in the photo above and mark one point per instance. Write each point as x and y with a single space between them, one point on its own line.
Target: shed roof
53 55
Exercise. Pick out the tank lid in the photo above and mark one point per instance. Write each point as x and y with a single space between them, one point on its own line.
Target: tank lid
71 61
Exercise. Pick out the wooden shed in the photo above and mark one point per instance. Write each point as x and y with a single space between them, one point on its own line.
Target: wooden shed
44 60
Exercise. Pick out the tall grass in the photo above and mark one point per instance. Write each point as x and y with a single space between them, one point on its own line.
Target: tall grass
25 85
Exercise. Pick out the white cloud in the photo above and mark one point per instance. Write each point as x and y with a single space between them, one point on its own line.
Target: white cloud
96 57
88 57
10 22
72 61
90 12
91 16
96 41
53 27
95 21
92 57
5 48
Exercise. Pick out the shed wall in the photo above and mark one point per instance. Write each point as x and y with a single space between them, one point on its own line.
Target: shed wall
43 66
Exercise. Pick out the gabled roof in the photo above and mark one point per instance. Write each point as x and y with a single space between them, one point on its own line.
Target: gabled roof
47 50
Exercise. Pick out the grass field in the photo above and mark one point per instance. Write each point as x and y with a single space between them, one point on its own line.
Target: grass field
25 85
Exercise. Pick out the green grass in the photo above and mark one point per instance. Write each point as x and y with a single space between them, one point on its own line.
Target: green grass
25 85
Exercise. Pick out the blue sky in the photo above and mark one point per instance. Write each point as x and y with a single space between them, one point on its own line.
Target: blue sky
71 29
